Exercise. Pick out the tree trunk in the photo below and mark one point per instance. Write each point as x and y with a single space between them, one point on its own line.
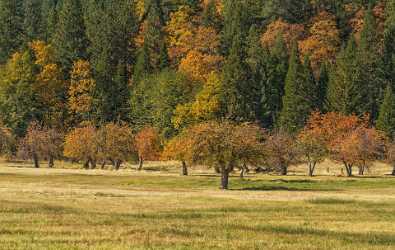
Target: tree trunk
86 164
118 164
393 170
284 170
361 170
184 168
51 162
103 164
244 170
36 161
141 163
224 179
93 164
312 168
348 169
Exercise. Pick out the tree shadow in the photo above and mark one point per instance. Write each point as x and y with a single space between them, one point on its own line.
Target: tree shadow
284 188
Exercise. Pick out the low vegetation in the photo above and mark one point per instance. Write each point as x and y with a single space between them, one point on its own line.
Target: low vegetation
128 209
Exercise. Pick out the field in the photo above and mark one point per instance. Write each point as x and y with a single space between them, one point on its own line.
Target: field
158 209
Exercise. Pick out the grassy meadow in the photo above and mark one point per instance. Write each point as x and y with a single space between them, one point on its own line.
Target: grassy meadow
68 208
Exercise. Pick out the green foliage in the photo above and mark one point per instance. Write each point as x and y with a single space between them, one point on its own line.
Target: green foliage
371 81
32 23
110 26
155 99
11 27
18 102
386 119
300 94
69 39
343 89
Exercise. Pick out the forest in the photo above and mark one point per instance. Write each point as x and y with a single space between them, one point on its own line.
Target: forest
232 84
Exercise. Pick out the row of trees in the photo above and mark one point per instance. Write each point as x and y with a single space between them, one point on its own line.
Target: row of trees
174 64
112 143
348 140
224 146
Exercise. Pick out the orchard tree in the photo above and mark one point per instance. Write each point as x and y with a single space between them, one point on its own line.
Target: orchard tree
225 146
116 143
343 137
371 145
390 155
147 143
81 144
280 151
41 142
311 143
178 149
7 141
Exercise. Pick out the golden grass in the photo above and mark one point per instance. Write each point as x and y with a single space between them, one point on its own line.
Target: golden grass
102 209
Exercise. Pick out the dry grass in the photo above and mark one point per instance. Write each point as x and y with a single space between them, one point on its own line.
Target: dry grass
102 209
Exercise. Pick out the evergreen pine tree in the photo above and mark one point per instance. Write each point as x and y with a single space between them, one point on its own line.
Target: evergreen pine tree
234 25
49 19
276 70
300 94
110 27
256 62
343 88
371 80
389 43
386 120
70 40
154 49
11 27
323 81
32 22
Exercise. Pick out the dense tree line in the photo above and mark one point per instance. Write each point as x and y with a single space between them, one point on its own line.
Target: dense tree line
163 67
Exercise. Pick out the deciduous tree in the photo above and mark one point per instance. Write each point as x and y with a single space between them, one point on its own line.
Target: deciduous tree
82 144
280 151
147 143
225 146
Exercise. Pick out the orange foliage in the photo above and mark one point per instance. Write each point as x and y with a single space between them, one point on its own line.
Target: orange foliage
82 144
147 143
116 143
348 139
290 33
225 146
324 41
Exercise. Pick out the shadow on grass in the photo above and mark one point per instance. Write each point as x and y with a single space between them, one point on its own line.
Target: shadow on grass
284 188
370 238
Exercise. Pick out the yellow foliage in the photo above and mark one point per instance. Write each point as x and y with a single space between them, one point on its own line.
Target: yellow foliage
199 66
81 87
206 106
